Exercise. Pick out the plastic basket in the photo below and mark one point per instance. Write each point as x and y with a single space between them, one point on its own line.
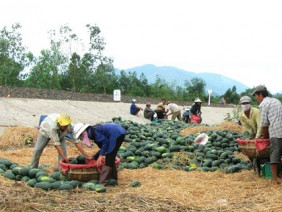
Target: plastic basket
83 172
249 148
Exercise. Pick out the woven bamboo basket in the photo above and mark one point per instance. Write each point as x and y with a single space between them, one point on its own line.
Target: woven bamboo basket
83 175
83 172
249 149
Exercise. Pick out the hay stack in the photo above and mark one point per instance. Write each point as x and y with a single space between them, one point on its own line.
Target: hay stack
226 125
18 137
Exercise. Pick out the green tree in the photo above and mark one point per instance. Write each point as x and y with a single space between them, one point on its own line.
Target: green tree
195 88
13 56
47 72
105 80
124 82
231 96
130 84
70 43
248 92
180 93
72 78
162 89
144 85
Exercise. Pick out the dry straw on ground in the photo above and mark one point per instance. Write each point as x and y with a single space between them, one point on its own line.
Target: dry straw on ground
161 190
226 125
18 137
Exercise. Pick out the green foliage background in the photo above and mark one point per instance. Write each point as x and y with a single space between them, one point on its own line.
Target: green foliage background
63 66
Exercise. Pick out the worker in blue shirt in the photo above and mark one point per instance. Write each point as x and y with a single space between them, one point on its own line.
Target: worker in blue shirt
108 137
134 109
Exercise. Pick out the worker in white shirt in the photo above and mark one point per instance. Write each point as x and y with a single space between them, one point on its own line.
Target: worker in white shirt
174 111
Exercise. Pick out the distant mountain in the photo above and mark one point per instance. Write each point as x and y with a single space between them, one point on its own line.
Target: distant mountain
215 82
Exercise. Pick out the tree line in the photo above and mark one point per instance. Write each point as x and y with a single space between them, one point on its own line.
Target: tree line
73 65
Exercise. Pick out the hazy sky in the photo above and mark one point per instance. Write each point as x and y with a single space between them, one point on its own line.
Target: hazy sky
241 39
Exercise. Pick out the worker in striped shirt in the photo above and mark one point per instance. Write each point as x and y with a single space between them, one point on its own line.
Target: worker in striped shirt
271 123
55 127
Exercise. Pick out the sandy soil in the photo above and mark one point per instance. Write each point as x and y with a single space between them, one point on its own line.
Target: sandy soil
27 112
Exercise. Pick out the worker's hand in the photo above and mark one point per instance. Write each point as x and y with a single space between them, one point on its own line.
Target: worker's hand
66 160
88 157
101 161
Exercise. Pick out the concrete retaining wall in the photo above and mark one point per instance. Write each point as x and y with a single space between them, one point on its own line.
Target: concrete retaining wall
36 93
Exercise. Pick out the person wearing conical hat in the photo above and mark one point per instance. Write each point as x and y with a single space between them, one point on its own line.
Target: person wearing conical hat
108 137
196 111
55 127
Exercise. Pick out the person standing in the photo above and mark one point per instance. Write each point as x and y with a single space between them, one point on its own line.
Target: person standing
196 111
55 127
174 110
108 137
250 117
222 100
134 109
271 123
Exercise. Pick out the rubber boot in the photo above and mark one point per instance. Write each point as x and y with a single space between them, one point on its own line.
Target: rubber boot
114 173
105 175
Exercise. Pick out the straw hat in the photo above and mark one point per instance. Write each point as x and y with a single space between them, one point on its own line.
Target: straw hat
79 128
64 120
197 100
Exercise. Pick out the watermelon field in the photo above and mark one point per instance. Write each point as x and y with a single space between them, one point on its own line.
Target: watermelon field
174 173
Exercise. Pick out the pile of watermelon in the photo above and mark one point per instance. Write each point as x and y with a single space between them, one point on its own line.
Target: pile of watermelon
161 145
39 178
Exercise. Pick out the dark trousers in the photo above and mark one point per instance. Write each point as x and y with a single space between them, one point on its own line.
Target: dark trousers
136 111
111 157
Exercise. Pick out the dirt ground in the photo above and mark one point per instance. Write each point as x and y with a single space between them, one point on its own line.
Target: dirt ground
161 190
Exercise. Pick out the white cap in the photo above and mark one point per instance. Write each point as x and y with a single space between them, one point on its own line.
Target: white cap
79 128
245 99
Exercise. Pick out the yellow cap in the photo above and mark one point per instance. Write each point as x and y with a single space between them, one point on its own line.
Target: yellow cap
64 120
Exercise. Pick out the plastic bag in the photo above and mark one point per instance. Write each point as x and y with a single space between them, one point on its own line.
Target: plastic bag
201 139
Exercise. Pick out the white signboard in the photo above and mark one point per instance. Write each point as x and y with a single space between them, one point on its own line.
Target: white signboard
116 95
209 92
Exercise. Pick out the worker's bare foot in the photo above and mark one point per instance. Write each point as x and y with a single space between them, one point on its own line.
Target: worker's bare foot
276 182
